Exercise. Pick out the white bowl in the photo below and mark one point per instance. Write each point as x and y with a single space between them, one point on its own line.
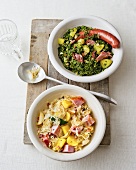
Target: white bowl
90 21
48 96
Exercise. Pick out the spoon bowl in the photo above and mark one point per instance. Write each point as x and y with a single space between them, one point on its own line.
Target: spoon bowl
24 68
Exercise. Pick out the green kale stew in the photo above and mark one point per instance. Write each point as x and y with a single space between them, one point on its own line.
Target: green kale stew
82 53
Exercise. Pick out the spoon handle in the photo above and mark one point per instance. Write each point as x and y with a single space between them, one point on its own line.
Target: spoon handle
104 97
55 80
100 95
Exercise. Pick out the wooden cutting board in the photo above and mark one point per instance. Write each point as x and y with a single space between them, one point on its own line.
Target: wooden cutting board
40 31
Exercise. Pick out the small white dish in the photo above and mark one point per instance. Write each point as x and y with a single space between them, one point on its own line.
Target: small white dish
48 96
90 21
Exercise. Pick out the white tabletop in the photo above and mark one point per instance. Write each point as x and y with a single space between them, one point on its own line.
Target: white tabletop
121 154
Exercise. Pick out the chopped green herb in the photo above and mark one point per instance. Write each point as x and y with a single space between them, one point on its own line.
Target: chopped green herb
52 119
62 122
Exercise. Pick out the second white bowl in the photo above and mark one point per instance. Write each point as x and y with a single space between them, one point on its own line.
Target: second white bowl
48 96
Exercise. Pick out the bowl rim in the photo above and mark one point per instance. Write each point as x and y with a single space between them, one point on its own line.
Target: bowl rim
64 156
68 74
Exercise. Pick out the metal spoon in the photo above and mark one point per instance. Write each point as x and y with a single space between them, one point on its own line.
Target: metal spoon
24 75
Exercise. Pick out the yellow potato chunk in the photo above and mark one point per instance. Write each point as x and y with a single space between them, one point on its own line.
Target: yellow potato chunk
60 143
56 114
71 140
60 41
91 129
86 49
41 118
68 116
66 103
72 33
105 63
78 45
65 128
81 41
98 48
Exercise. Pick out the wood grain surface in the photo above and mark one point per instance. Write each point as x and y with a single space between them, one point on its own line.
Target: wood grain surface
40 31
